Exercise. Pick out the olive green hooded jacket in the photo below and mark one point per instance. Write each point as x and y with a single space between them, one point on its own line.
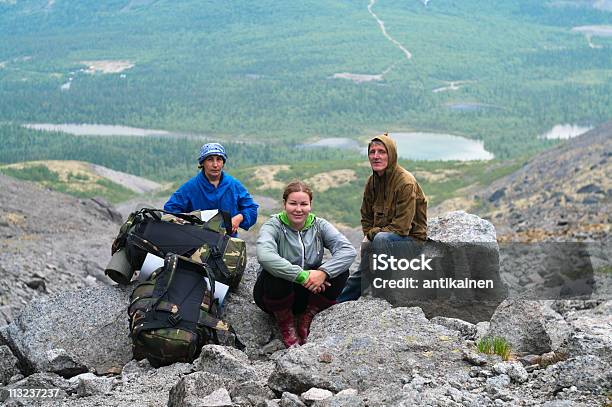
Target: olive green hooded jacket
393 202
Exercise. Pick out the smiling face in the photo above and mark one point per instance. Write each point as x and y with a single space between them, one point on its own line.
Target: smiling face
297 206
379 157
213 165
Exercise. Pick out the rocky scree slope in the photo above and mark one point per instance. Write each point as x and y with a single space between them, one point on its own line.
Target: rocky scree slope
363 353
49 242
562 194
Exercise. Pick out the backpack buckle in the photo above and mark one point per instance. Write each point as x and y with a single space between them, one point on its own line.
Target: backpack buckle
174 319
215 252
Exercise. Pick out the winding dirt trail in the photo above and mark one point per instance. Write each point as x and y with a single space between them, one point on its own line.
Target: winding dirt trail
381 23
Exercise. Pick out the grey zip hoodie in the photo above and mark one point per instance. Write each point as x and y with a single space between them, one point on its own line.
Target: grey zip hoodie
290 254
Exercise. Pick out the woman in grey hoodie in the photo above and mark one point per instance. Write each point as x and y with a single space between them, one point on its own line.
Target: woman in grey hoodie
293 279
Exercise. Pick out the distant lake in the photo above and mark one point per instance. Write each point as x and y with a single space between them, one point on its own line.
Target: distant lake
97 130
564 131
335 142
443 147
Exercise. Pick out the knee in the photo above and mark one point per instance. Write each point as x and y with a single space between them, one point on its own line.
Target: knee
385 237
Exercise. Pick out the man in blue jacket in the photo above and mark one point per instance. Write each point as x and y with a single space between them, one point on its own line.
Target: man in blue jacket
212 188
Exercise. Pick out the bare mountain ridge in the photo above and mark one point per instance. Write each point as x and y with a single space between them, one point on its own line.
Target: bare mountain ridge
562 194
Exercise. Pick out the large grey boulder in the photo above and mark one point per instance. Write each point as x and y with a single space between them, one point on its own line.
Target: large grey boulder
521 322
462 247
73 332
365 345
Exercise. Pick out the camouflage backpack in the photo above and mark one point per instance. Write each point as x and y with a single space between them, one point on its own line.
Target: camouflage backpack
160 233
173 314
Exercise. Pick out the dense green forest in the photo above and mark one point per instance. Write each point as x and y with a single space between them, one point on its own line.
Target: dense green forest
174 160
158 158
264 70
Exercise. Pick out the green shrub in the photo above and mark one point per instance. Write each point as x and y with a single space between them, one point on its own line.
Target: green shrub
494 346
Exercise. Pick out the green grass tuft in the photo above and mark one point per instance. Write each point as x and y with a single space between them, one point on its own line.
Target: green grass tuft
494 346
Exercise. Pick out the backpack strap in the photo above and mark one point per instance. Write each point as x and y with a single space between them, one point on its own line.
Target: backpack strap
223 333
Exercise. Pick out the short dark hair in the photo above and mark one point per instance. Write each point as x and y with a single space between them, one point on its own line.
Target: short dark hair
296 186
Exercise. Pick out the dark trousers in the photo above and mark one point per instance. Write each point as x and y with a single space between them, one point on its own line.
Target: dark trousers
275 288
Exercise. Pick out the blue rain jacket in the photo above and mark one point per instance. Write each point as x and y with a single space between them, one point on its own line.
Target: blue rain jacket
199 194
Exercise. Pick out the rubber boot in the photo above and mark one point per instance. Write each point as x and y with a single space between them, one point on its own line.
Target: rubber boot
283 314
316 304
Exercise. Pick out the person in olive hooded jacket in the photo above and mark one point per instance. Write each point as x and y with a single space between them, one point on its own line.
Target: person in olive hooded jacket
294 279
394 207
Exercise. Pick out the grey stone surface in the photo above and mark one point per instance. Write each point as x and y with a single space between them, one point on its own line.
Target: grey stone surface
521 323
71 332
466 329
461 227
315 394
49 243
191 389
88 384
514 370
8 365
218 398
251 392
290 400
589 373
462 246
367 355
235 369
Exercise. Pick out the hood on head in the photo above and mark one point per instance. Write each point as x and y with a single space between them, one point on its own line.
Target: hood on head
391 150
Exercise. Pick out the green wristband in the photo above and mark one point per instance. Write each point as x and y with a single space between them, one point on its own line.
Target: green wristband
302 276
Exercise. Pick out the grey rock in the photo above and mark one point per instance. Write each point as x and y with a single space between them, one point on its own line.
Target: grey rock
467 330
218 398
589 373
341 400
134 369
89 325
224 361
88 384
590 189
514 370
191 389
556 327
8 365
251 393
366 355
290 400
461 227
45 381
474 358
273 346
482 330
60 362
497 383
521 323
497 195
104 208
150 387
347 392
16 378
315 394
462 246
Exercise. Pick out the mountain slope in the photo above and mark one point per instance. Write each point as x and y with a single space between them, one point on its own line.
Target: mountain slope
564 193
49 242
